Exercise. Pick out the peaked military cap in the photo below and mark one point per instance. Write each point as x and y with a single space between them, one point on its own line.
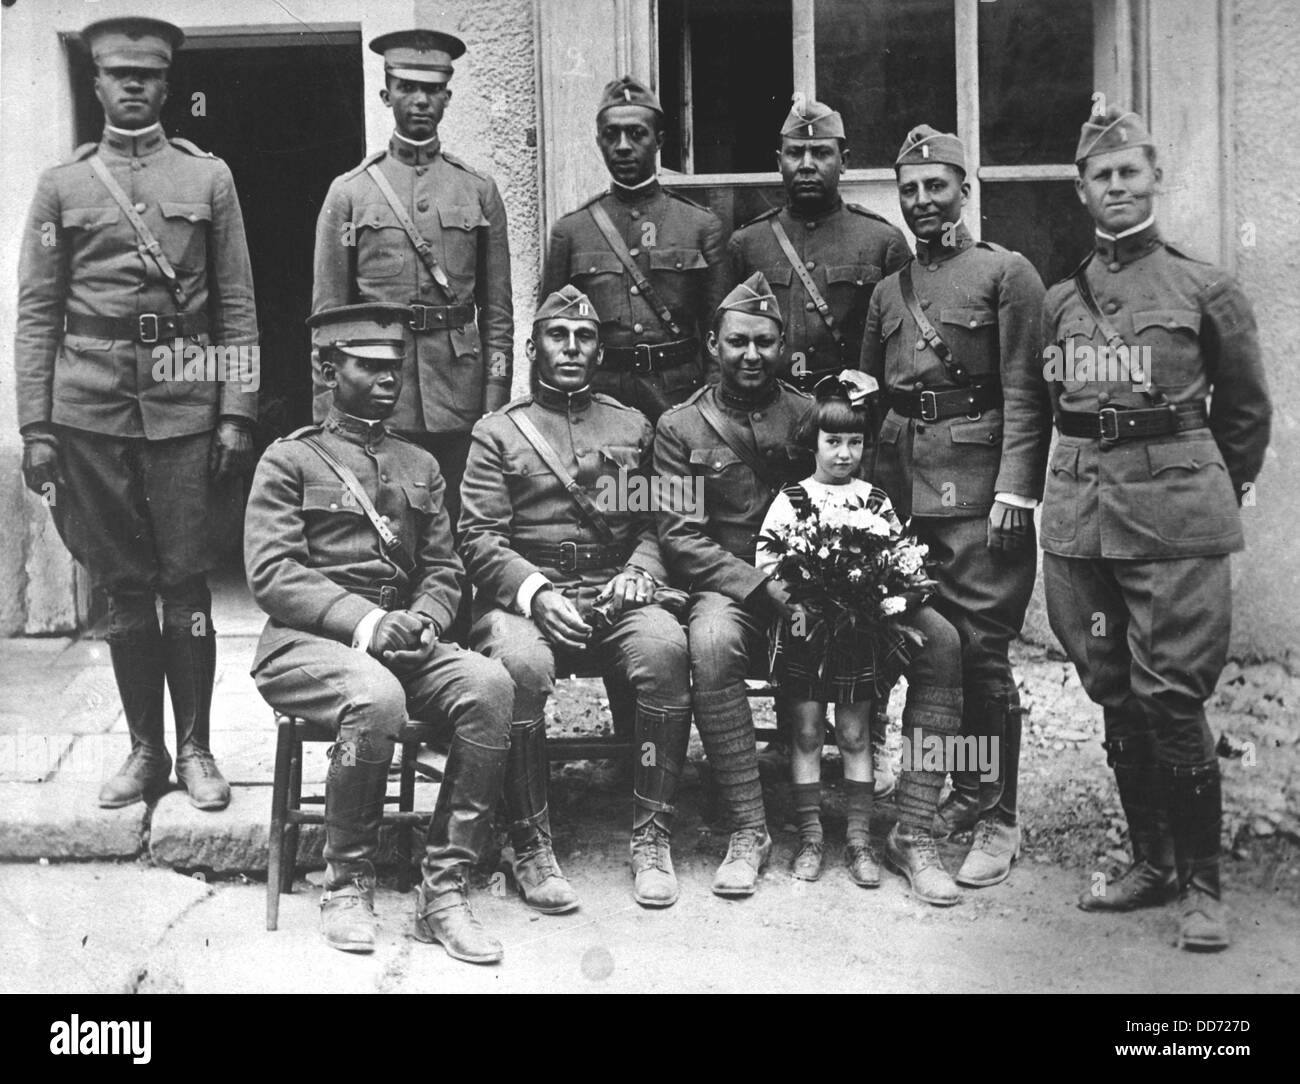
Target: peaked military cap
924 145
374 330
812 120
569 302
132 42
753 296
628 91
422 56
1114 131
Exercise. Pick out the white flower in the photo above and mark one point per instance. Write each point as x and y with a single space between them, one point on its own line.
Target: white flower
824 552
855 574
893 605
875 525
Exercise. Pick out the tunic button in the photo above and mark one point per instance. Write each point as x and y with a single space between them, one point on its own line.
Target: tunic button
591 270
992 437
809 306
918 386
857 282
1103 397
812 349
383 478
421 170
925 304
717 464
137 165
932 267
1112 307
679 265
811 264
812 225
334 506
422 205
920 345
634 252
636 214
974 322
638 328
634 291
1113 266
140 208
758 415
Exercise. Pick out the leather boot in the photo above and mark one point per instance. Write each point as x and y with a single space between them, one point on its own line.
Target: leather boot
191 664
458 834
537 873
997 836
355 786
1195 807
882 762
138 669
961 810
662 734
1151 881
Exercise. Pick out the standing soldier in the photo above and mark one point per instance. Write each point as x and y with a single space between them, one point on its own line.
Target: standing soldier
954 340
822 258
133 256
651 262
1141 513
415 226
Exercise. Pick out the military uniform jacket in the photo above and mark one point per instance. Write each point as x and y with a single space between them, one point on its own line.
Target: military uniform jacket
711 548
81 255
986 304
511 501
310 551
847 250
1168 496
678 247
452 376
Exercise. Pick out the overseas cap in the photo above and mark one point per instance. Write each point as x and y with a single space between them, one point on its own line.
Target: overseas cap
570 302
812 120
628 91
422 56
375 330
1113 132
753 296
132 42
925 145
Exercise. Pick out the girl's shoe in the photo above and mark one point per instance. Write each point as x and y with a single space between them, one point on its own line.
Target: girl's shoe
808 860
863 867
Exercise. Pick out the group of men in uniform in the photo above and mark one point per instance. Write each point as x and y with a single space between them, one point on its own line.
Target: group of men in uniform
365 530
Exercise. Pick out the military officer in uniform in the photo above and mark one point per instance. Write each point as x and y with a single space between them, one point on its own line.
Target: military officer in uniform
823 258
651 261
348 550
736 440
563 572
416 226
1141 512
954 339
132 256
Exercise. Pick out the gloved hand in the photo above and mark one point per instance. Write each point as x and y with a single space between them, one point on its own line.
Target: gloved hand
776 597
41 471
1010 528
231 453
397 631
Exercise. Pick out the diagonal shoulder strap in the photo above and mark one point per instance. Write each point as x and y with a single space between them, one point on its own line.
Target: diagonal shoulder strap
619 248
956 370
747 454
422 247
142 231
550 457
1107 329
393 546
809 286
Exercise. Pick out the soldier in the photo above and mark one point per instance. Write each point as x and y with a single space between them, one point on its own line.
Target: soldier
133 262
1141 512
651 262
822 258
348 550
954 341
416 226
737 441
565 560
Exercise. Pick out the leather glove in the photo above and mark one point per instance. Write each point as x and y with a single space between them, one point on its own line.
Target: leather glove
774 595
231 453
1010 528
41 471
397 631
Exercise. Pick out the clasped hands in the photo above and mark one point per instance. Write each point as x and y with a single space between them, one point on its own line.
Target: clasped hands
560 621
403 638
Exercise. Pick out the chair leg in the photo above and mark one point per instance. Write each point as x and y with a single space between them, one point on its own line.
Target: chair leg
293 828
275 840
405 834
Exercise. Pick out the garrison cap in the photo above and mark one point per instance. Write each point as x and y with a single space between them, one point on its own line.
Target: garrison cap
753 296
924 145
422 56
628 91
1114 131
812 120
132 42
569 302
374 330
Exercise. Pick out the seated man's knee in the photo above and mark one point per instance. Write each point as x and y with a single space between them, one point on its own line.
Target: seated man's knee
378 705
939 661
718 651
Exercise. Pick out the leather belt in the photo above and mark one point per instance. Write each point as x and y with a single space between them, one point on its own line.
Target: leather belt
932 406
576 556
650 357
439 317
147 328
386 597
1114 424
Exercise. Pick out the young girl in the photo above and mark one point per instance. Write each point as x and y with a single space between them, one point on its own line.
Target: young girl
845 672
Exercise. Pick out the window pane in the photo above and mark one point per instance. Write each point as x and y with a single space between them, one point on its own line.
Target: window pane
1036 79
735 204
887 67
1041 219
728 62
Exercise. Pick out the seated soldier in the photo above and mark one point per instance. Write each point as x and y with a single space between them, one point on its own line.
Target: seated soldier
348 549
564 563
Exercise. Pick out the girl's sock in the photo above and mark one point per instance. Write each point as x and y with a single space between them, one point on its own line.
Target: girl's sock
808 811
858 798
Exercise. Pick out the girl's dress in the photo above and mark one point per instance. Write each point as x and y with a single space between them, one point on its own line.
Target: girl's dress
857 666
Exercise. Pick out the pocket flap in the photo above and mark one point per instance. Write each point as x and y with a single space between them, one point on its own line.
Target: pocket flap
329 497
716 459
677 259
1065 460
1173 319
976 432
779 274
461 217
418 497
596 263
89 218
1078 323
889 430
1189 455
890 323
625 456
855 274
969 317
191 212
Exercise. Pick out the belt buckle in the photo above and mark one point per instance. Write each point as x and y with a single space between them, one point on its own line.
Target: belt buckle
388 597
930 407
649 366
144 336
1102 424
422 313
568 557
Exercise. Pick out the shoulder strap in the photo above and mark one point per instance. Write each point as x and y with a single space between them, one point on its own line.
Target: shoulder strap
586 506
616 245
1081 287
956 371
810 287
422 247
393 546
747 456
142 231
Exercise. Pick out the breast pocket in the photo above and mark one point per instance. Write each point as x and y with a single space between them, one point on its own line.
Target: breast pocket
673 272
1170 342
334 525
418 512
460 224
382 244
86 227
185 233
729 485
849 287
972 335
1073 345
600 276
